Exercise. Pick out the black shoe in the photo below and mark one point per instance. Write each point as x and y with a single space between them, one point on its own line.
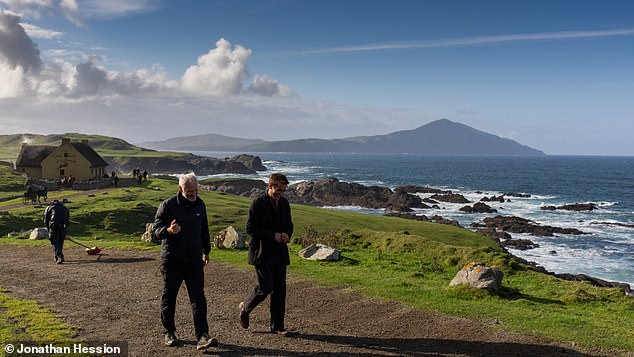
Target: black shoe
244 316
283 332
170 339
59 260
205 341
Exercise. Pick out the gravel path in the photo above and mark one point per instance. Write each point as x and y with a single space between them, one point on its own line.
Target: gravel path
115 297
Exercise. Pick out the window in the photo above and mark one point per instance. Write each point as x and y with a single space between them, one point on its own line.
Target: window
61 172
65 154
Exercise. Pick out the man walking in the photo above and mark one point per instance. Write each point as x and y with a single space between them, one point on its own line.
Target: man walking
270 227
181 224
56 219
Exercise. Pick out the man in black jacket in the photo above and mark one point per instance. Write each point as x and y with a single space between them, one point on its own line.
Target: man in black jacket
181 224
270 227
56 219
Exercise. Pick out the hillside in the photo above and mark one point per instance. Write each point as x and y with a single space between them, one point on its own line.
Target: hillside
208 142
441 137
104 145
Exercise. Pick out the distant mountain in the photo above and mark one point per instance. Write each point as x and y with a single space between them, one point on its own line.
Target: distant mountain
208 142
441 137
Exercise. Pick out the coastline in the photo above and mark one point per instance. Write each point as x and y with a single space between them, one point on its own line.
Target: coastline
604 253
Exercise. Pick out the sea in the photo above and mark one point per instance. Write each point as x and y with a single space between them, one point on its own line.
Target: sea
605 252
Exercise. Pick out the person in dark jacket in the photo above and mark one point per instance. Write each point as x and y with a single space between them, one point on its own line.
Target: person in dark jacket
181 225
56 219
270 228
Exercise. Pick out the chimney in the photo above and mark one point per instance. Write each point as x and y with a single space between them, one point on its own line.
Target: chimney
84 141
65 141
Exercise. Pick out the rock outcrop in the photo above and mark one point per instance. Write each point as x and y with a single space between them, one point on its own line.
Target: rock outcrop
434 219
478 207
521 225
241 187
450 197
572 207
201 165
332 192
250 161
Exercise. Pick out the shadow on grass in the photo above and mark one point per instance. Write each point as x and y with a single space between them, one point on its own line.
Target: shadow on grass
514 294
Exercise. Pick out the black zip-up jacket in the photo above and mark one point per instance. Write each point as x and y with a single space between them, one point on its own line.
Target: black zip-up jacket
193 239
263 222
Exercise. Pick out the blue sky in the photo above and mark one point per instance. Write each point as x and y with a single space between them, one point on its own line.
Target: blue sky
555 75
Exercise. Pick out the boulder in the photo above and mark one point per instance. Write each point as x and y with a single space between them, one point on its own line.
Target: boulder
480 277
519 244
495 235
572 207
148 236
39 233
229 238
493 198
478 207
317 251
521 225
450 197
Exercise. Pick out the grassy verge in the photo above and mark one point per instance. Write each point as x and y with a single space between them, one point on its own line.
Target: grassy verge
384 257
26 320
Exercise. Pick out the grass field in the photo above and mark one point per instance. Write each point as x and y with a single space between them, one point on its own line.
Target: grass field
384 257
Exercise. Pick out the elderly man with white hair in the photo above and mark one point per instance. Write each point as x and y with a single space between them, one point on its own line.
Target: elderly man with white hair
181 225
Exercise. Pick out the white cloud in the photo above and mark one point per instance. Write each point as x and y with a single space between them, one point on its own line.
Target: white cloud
270 87
70 9
219 72
40 33
108 9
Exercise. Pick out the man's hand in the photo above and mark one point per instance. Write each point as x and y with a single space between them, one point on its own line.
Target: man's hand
281 237
206 258
174 228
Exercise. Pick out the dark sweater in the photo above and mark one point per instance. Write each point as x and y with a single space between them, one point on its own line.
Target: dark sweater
193 239
264 220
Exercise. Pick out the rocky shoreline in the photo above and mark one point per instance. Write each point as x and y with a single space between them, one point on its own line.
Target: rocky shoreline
401 201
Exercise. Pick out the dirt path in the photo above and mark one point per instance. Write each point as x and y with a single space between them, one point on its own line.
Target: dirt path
115 297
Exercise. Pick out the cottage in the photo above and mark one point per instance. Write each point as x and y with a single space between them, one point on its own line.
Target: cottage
51 163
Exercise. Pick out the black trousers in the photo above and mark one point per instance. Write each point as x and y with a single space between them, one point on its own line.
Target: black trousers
57 234
271 281
174 273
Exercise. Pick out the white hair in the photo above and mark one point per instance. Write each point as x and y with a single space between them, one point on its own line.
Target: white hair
183 179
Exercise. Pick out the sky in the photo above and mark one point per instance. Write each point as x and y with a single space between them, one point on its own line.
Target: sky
555 75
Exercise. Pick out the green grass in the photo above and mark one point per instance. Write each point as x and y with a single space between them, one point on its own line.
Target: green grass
384 257
26 320
104 145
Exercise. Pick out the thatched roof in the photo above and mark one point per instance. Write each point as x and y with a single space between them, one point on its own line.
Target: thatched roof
32 155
